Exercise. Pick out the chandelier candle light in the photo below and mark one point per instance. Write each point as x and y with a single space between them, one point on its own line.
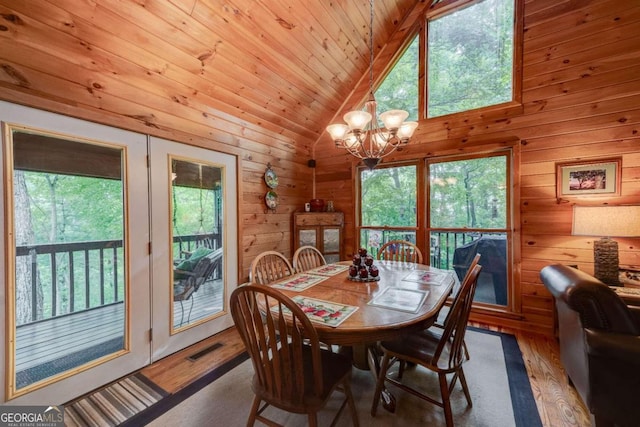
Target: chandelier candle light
362 136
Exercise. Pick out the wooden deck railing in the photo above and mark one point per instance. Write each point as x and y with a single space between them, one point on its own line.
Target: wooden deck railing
444 244
442 247
98 264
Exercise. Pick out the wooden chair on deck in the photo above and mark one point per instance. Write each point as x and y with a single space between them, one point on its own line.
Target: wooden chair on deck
307 257
400 250
291 371
268 267
442 354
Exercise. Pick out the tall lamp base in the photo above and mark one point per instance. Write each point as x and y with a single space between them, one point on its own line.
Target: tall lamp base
605 257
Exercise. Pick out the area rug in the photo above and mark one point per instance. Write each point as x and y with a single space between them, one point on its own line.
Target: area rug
114 404
497 378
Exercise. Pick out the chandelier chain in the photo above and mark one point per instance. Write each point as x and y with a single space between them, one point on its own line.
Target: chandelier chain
371 45
362 136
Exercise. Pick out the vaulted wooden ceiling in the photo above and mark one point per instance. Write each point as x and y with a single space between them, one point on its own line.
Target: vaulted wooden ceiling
274 66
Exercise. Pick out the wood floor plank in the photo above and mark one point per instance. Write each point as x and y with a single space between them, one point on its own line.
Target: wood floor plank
178 370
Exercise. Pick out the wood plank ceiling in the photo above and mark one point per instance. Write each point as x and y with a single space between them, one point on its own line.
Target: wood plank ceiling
278 67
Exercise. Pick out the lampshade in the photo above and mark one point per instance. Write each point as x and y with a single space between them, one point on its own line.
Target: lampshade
406 130
606 221
393 119
338 131
357 120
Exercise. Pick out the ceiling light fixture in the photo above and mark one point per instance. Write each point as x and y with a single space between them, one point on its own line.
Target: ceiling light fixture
362 136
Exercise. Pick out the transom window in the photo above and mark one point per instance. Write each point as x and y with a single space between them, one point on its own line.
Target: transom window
470 62
399 89
470 57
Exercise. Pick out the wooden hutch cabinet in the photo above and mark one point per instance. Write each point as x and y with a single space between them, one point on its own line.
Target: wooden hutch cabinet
320 229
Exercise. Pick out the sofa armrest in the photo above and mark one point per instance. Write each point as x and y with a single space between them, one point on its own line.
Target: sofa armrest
635 311
618 348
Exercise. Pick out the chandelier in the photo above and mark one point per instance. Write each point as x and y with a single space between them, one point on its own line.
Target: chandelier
362 136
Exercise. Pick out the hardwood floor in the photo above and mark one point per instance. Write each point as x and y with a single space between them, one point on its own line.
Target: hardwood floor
558 403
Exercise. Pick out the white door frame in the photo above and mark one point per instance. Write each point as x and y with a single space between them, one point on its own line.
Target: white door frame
164 342
138 261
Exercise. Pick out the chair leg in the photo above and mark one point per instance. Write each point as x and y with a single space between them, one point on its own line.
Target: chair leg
465 388
380 383
446 401
181 313
313 419
466 350
190 309
254 411
352 404
401 367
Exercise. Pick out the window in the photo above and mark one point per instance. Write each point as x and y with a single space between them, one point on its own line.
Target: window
468 214
399 89
470 57
388 200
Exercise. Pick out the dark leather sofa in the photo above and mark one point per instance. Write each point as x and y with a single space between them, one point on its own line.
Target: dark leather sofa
599 344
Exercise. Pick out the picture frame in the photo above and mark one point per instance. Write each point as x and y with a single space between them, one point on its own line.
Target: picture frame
588 178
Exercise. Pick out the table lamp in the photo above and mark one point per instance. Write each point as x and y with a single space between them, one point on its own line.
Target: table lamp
606 222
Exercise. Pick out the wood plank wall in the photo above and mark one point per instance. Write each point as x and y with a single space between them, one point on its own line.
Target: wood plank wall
71 63
581 101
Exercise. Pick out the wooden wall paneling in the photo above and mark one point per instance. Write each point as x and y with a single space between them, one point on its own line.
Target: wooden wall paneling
598 18
580 101
236 26
582 48
178 85
303 28
261 80
576 14
100 98
538 146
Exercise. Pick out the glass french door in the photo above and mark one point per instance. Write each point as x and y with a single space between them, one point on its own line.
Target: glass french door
76 223
120 249
194 224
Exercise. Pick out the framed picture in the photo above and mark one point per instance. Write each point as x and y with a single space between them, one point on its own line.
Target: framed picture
593 178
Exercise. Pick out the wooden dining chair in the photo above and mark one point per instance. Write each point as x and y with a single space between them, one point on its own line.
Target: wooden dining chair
291 371
440 353
474 262
400 250
268 267
307 257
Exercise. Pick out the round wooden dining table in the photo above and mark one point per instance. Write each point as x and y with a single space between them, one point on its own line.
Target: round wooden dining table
407 296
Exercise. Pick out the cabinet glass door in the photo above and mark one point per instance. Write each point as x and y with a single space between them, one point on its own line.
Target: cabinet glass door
307 238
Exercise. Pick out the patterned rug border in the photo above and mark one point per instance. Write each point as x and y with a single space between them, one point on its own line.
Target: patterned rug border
171 400
114 402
